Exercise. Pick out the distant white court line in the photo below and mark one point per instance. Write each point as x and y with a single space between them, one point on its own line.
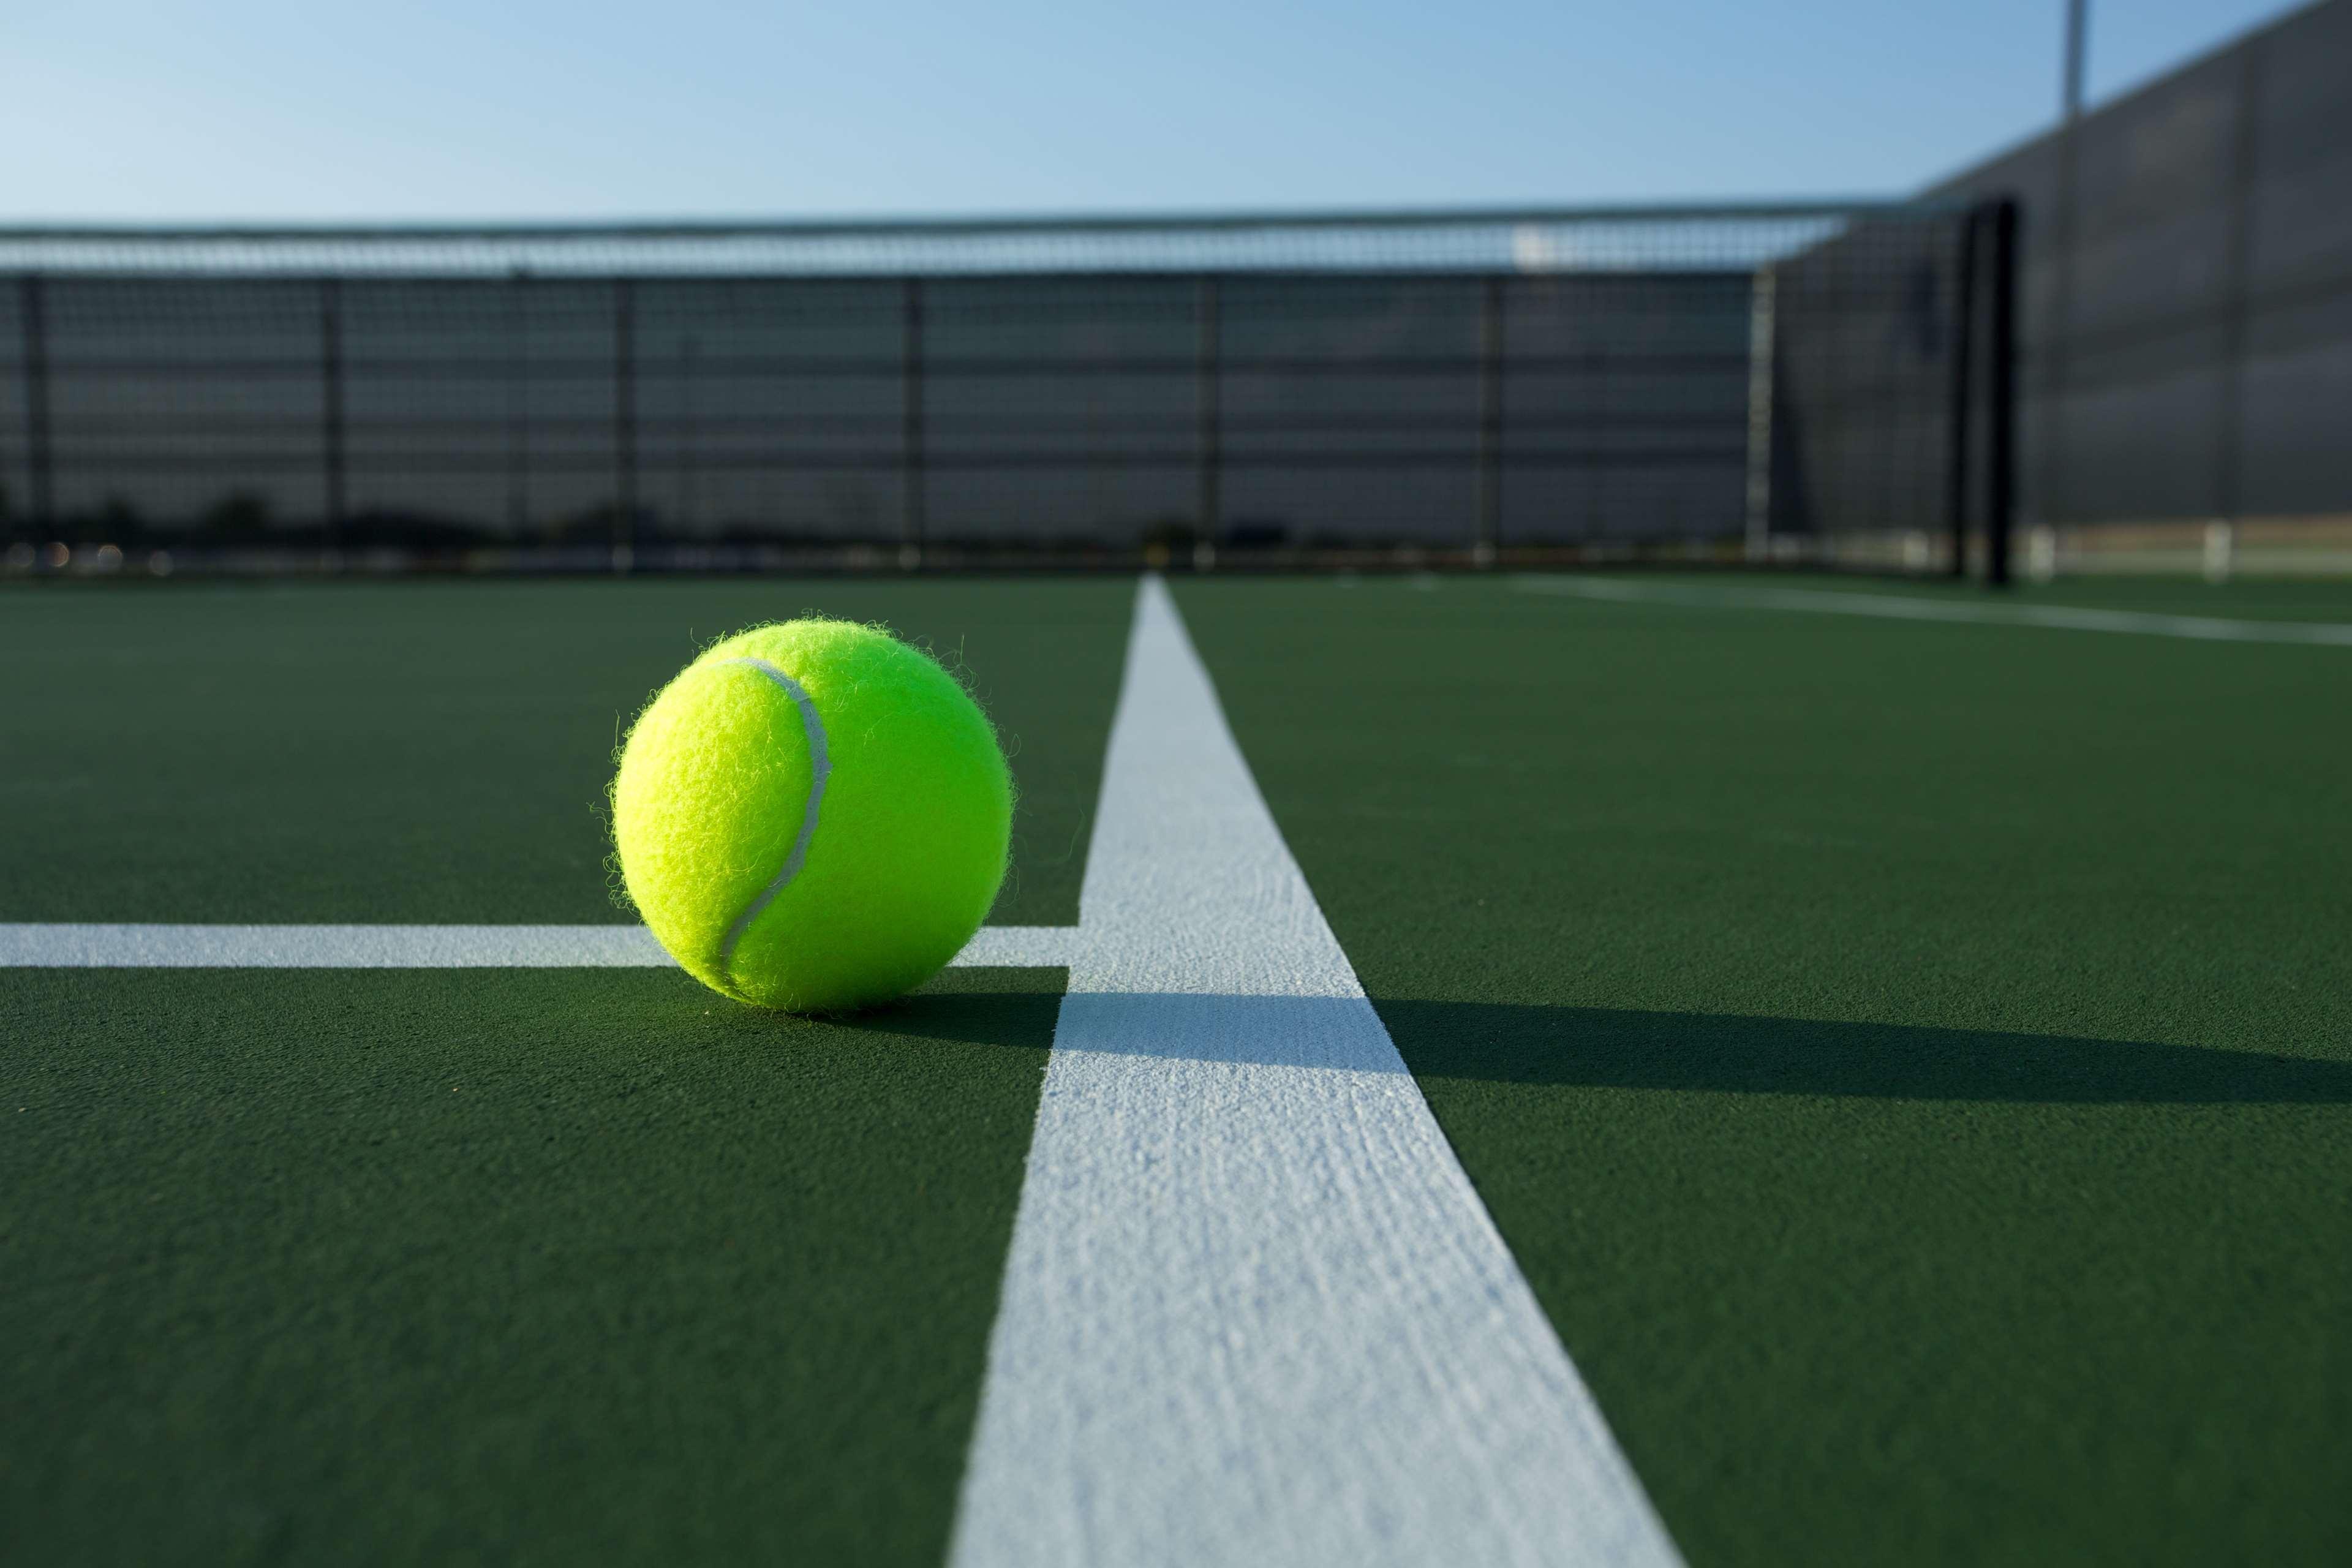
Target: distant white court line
1891 606
1253 1311
419 947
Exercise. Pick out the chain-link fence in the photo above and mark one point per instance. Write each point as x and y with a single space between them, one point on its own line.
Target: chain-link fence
1759 383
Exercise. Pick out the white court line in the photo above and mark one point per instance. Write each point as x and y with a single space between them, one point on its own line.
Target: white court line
2203 628
419 947
1253 1311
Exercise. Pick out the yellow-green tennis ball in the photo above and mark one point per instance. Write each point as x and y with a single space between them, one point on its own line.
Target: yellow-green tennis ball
812 816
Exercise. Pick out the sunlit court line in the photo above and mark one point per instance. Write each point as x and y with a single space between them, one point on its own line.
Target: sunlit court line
1893 606
1253 1311
69 946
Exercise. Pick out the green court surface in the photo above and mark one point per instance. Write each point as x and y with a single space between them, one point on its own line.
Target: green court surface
412 752
1910 1062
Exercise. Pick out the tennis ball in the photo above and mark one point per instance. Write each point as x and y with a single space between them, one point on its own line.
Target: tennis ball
812 816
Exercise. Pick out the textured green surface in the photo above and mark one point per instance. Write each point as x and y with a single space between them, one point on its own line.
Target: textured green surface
551 1266
2252 598
439 751
1912 1063
482 1267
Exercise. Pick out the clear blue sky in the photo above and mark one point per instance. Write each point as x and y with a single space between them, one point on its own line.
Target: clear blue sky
310 110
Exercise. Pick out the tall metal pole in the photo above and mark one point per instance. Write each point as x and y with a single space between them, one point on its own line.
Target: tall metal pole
1489 510
624 424
1207 376
688 352
2228 501
2057 345
2001 480
1963 394
910 539
2077 20
33 314
331 404
1763 337
518 403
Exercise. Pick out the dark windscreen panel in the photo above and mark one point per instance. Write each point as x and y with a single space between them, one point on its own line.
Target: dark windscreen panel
1555 382
2186 329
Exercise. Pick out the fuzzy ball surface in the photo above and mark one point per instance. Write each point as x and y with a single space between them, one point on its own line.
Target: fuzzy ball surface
812 816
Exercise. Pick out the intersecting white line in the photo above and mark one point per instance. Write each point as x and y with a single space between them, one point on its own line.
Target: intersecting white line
420 947
1900 607
1253 1311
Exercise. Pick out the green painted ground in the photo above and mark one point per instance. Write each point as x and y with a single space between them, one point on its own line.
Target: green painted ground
465 1267
480 1267
1910 1061
2254 598
436 751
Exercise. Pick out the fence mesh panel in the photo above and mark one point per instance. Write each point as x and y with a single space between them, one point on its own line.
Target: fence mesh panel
1777 382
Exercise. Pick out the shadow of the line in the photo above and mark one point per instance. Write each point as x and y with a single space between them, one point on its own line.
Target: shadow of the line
1604 1048
1734 1054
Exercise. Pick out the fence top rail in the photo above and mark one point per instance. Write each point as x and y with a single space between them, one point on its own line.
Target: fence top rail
1530 238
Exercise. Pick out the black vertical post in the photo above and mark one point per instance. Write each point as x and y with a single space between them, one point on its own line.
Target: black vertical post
2000 486
518 404
2236 284
1208 375
33 314
910 539
689 352
1963 394
624 423
1763 348
1489 499
2054 352
331 404
2070 89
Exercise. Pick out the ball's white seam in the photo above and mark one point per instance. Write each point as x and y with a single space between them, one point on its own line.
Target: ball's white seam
820 769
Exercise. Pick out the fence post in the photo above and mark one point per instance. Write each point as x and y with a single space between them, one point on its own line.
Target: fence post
910 537
518 404
1208 375
624 423
331 404
2236 281
1486 546
2000 500
689 353
33 317
2054 351
1763 343
1964 331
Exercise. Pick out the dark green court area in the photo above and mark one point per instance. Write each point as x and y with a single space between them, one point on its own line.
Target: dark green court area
1911 1061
